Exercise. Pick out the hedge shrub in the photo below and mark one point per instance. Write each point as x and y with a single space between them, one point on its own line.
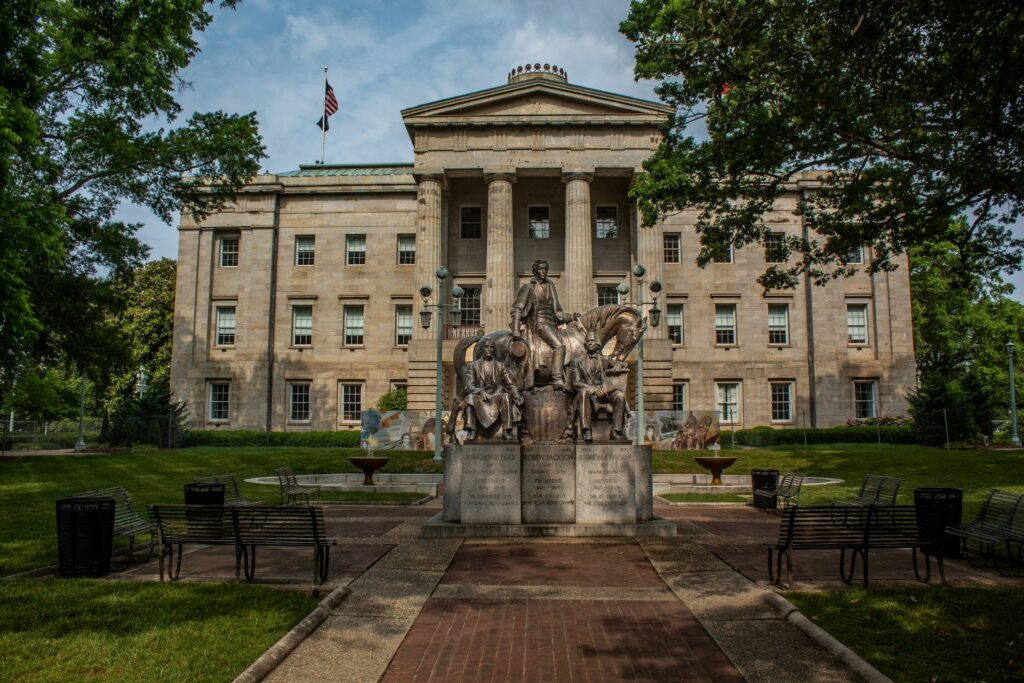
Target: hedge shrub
209 437
766 436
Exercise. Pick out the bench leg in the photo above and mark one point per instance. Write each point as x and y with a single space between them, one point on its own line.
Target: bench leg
848 578
771 576
250 563
927 565
163 555
239 550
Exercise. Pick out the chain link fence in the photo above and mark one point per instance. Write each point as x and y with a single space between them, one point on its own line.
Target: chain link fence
19 435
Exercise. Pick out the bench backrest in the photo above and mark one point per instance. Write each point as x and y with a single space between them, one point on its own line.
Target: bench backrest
286 476
192 523
125 515
998 511
272 525
231 493
888 487
897 526
790 484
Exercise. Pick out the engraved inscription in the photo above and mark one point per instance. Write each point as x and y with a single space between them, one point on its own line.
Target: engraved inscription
549 484
490 485
605 487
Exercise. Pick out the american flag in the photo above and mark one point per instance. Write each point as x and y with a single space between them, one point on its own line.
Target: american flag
330 107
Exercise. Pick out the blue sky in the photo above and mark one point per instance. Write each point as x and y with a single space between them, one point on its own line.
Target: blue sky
383 56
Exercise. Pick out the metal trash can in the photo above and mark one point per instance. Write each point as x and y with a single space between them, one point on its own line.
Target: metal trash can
85 536
936 501
764 479
204 493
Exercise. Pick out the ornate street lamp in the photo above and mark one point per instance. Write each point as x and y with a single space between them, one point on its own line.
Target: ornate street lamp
425 291
80 444
1014 436
655 317
141 385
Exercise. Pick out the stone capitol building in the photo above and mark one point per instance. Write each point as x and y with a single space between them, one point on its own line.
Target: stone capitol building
297 306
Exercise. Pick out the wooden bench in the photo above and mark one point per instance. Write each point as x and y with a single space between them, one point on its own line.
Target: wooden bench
284 526
232 494
996 525
788 491
862 530
874 490
292 491
127 522
182 525
245 528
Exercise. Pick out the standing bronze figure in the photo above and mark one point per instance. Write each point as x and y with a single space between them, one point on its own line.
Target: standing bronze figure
537 307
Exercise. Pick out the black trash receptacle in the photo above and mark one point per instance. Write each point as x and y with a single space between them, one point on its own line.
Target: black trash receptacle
764 479
85 535
203 493
935 501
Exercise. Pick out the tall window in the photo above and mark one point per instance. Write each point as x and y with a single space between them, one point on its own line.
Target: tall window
403 325
298 401
607 296
864 399
540 222
857 323
470 220
722 253
679 396
672 247
399 385
674 321
406 250
305 249
774 247
302 325
355 250
729 402
725 324
855 256
353 320
228 252
607 224
351 402
220 400
782 401
225 326
778 323
469 304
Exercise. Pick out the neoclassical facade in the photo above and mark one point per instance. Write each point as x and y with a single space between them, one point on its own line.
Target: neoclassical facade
297 306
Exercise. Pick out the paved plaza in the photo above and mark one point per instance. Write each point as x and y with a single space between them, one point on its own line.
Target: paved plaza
689 608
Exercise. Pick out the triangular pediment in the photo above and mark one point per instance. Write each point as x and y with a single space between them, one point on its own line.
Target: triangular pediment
536 100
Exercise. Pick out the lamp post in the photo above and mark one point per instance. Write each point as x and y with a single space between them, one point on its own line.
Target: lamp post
141 385
425 291
1014 436
80 444
638 275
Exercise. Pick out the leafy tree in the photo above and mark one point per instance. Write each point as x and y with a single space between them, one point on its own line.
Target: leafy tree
88 119
912 111
42 395
396 399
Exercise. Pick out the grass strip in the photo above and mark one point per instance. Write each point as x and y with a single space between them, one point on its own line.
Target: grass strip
706 497
923 634
127 632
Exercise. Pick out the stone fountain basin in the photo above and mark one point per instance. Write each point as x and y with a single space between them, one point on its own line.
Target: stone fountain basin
368 465
426 483
715 465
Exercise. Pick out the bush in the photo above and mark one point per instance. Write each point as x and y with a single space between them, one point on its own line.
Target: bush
153 419
396 399
962 405
340 439
766 436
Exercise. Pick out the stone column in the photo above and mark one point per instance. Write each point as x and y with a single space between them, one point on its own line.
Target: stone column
428 244
500 286
577 290
649 254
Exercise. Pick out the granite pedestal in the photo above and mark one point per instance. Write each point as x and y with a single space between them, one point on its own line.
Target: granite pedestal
503 489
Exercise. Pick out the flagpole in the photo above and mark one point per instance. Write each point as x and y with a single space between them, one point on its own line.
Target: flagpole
323 127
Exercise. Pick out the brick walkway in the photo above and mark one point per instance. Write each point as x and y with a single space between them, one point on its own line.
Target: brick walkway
558 640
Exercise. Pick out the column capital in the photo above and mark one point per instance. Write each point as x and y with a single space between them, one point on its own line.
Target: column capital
585 174
429 176
492 174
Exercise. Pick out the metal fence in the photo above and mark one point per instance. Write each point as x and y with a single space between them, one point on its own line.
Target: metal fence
35 435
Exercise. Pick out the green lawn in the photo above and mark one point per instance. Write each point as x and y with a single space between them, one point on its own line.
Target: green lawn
706 497
29 486
966 634
975 471
112 631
